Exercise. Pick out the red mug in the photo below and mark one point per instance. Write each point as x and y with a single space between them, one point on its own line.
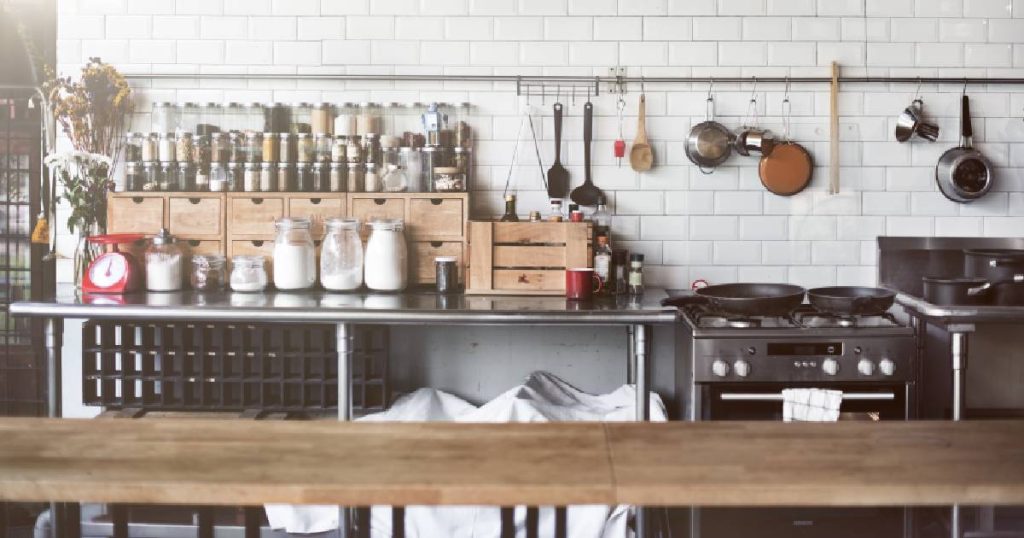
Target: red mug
581 283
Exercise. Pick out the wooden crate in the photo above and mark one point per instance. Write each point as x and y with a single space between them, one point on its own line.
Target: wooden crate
525 258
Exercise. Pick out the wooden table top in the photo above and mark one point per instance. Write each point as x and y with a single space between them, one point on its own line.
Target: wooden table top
323 462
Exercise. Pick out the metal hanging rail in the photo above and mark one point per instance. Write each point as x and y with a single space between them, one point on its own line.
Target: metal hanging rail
569 79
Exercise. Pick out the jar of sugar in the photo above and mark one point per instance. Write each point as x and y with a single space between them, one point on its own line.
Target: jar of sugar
294 255
341 256
385 265
164 263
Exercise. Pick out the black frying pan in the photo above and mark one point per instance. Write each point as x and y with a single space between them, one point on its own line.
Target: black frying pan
851 300
745 299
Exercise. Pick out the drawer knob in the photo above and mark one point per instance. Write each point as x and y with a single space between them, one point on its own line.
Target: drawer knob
257 243
137 199
315 201
194 201
436 201
436 244
257 201
193 243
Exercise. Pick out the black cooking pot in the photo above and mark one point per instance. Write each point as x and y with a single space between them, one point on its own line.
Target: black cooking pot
955 291
1004 271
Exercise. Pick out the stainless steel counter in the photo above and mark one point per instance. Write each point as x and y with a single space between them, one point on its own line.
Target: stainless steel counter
956 315
377 308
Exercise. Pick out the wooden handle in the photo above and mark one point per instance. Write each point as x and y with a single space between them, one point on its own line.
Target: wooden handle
833 184
641 122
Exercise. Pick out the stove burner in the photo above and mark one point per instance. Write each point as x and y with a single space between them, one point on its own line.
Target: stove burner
805 316
743 323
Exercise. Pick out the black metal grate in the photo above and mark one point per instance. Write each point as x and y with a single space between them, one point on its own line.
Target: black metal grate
228 367
22 366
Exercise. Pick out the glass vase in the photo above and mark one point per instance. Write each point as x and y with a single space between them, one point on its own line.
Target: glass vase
85 253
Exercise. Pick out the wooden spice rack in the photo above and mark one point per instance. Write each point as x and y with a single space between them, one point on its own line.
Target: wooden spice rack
525 258
239 223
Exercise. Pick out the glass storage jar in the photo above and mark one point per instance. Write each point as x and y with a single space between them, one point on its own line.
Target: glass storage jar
321 178
254 118
410 161
248 273
305 148
168 176
183 147
203 178
166 150
164 263
201 150
253 147
395 179
368 119
233 117
164 117
186 176
301 118
209 272
341 256
294 255
304 178
134 176
218 177
151 174
338 145
236 147
133 147
371 181
268 177
150 147
271 148
236 177
279 117
355 177
286 177
338 179
188 117
322 144
220 148
322 119
449 179
286 147
210 117
251 177
386 256
354 150
345 121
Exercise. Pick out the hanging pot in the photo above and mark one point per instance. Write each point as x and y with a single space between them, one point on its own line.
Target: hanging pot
709 143
963 173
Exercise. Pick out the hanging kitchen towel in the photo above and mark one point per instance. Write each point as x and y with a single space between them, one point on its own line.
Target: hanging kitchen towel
811 405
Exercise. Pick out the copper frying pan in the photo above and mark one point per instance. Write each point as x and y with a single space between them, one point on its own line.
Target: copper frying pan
787 170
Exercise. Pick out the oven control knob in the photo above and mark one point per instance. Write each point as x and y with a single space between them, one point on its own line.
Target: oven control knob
866 367
741 367
887 367
720 368
830 366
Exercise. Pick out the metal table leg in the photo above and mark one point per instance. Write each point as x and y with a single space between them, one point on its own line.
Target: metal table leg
642 375
51 341
959 344
345 350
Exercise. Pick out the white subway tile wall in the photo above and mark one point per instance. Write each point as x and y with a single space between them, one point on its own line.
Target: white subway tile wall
720 227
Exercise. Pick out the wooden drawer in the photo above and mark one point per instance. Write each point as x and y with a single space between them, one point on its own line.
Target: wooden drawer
421 259
436 218
318 209
367 209
203 246
196 217
254 216
135 214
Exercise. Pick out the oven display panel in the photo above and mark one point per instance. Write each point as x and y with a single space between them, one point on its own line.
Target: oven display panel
805 349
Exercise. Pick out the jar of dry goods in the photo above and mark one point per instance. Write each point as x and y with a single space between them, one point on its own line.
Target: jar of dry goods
186 176
321 177
165 117
371 181
203 178
133 147
449 179
268 177
166 150
410 161
134 176
286 177
218 177
183 148
301 118
151 172
248 273
322 119
354 150
286 147
251 177
355 177
368 119
345 121
253 147
305 148
386 254
164 263
201 150
338 149
304 178
395 179
337 183
341 256
271 148
236 143
209 272
294 255
150 145
322 144
236 177
220 148
168 176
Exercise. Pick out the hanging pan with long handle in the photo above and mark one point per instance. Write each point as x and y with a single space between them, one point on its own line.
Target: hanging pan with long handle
963 173
789 167
709 143
587 194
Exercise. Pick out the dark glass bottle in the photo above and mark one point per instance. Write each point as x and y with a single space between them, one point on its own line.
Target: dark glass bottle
510 209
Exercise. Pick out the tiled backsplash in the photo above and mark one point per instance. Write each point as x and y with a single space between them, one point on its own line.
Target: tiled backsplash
720 227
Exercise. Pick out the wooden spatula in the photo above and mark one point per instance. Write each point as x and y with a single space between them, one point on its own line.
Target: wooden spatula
641 158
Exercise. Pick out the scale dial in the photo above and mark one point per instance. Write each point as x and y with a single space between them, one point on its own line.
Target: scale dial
109 270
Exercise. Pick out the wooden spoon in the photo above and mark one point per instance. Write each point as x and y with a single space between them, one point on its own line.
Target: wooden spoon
641 158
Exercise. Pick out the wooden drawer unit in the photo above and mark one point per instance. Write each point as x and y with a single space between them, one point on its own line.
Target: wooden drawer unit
253 216
318 209
421 259
200 215
136 212
436 218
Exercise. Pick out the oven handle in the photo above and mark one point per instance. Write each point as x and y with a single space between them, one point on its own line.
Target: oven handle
749 397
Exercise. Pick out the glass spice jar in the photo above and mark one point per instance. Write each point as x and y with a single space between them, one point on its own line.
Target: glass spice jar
203 178
304 178
166 150
636 274
354 150
321 178
341 256
220 148
134 176
410 161
355 177
268 177
253 147
151 173
183 148
323 145
305 148
271 148
201 150
209 272
449 179
248 273
462 158
395 179
322 119
338 179
218 177
286 177
286 147
168 176
236 177
251 177
338 149
186 176
133 147
150 145
371 182
236 143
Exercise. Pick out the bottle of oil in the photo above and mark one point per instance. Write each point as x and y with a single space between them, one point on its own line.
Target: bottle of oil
510 209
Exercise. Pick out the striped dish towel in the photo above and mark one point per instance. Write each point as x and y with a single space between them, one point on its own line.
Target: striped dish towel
811 405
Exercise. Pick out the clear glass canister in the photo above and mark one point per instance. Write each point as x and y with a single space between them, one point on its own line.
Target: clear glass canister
321 178
201 150
209 272
322 119
279 117
386 256
220 148
188 117
166 150
368 119
150 145
304 178
449 179
186 176
133 147
164 117
395 179
151 175
134 176
236 177
203 178
371 181
286 177
301 118
251 177
286 147
271 148
345 121
410 161
183 147
354 150
322 144
236 147
218 177
341 256
355 177
164 263
253 147
210 117
248 273
255 121
233 117
338 177
338 147
268 177
462 158
168 176
305 148
294 255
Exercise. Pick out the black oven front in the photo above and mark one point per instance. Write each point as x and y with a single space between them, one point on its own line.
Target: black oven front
763 401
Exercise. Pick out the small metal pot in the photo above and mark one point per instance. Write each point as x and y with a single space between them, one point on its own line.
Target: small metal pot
910 123
753 139
963 174
709 143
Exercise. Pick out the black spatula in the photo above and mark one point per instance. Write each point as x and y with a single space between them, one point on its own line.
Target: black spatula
558 176
587 194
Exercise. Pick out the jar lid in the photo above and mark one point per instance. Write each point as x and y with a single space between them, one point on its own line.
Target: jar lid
166 135
342 224
288 223
323 104
185 135
283 166
636 257
163 104
217 134
247 259
445 259
387 224
448 170
253 134
254 105
268 134
163 237
233 104
284 136
211 105
188 103
278 104
301 104
208 259
266 165
510 198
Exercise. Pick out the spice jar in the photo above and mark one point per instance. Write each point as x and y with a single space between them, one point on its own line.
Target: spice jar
236 177
636 274
133 147
201 150
337 182
321 178
164 117
268 177
236 145
168 176
183 148
294 255
220 148
150 145
355 178
271 148
462 159
248 273
164 261
186 180
371 183
251 178
620 277
305 148
410 161
368 119
286 177
166 150
372 152
253 147
304 178
301 118
209 272
345 121
279 118
286 147
338 149
323 145
255 119
446 274
203 178
322 119
188 118
134 178
341 256
210 117
218 177
353 150
385 265
151 174
395 179
449 179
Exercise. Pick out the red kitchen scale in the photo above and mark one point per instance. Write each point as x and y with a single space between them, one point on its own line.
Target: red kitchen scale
114 271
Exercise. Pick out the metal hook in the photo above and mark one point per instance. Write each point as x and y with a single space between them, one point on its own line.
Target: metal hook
917 92
642 89
558 93
753 92
785 96
964 91
711 86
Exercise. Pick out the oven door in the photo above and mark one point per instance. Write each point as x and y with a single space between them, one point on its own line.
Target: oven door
763 401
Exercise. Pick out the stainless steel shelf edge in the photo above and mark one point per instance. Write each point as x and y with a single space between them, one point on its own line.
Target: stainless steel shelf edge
960 314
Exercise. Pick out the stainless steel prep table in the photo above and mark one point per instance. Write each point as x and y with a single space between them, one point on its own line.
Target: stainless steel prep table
636 314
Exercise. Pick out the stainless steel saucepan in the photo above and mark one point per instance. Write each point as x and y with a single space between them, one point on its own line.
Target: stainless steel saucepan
963 173
709 143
